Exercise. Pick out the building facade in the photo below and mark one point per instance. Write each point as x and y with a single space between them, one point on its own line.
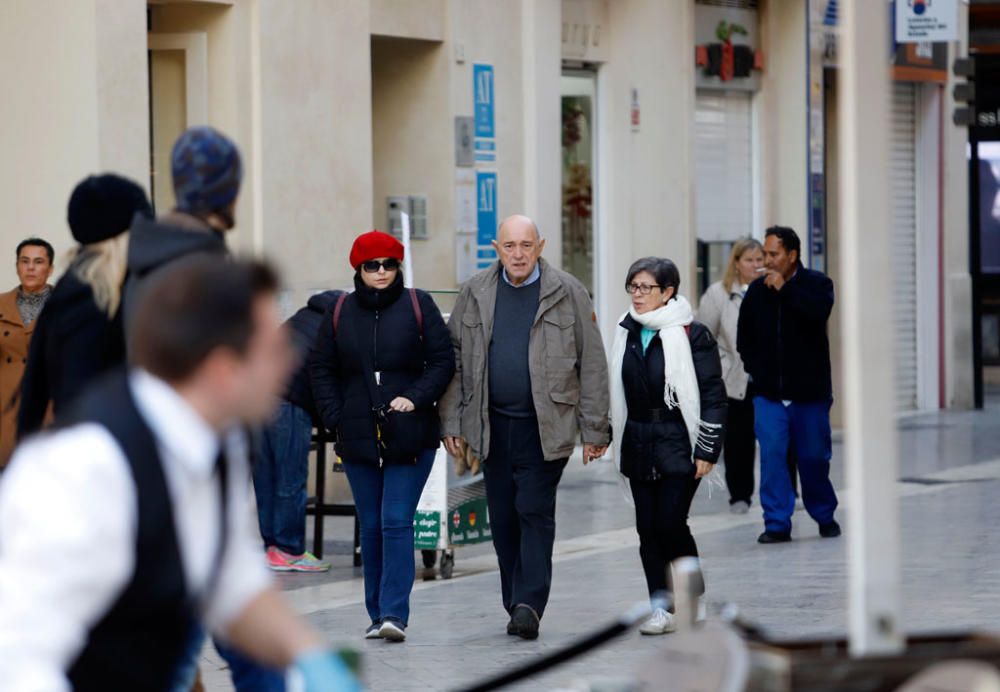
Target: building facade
624 127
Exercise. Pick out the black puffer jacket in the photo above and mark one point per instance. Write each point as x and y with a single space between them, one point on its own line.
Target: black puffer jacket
655 441
379 327
74 343
304 326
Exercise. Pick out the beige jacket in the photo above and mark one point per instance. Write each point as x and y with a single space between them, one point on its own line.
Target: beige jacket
569 371
720 312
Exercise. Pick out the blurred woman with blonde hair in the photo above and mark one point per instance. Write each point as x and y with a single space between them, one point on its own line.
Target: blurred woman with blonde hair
79 334
720 312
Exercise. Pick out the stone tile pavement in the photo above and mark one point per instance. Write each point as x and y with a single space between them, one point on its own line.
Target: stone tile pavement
950 481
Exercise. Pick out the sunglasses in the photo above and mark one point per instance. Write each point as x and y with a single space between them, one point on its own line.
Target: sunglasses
372 266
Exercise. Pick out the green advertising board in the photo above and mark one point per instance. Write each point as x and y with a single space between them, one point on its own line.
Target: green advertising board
469 523
427 530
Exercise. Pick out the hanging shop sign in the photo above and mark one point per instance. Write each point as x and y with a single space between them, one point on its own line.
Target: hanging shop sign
926 20
725 53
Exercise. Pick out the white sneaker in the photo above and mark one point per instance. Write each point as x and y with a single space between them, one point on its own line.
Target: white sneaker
392 631
661 622
374 631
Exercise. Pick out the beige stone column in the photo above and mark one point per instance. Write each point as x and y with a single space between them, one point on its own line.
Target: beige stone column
648 186
73 80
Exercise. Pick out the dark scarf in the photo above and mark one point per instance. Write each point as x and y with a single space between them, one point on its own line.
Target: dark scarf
30 304
377 299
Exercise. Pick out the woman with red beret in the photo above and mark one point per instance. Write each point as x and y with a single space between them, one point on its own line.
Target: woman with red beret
381 361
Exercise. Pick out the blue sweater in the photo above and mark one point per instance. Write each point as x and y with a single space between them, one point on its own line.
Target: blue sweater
510 376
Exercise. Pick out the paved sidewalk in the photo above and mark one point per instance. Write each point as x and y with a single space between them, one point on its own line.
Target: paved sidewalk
950 479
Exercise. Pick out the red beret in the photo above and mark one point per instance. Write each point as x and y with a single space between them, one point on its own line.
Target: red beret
373 245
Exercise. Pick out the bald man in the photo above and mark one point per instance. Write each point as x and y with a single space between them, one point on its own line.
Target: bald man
531 381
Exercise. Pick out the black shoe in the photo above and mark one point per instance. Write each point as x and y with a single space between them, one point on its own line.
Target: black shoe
511 627
769 537
831 530
524 622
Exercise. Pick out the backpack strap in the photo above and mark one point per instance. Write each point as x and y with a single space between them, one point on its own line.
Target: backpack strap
337 310
417 312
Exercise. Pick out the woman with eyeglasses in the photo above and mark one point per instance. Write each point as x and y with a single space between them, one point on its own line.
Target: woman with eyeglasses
381 361
668 411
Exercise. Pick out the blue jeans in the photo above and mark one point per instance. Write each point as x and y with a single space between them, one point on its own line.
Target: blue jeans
806 427
386 500
279 479
247 676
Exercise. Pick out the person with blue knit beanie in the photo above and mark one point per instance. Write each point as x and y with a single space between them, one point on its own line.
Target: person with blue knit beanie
207 172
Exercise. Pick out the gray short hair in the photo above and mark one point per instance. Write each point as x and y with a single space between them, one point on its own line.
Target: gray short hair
663 270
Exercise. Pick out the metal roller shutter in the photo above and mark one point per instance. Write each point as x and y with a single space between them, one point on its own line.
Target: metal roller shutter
723 147
903 204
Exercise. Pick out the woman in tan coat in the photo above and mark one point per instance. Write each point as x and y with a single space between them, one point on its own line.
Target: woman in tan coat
720 312
19 310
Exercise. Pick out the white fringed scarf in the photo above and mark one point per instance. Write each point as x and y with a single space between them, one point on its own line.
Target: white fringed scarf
681 381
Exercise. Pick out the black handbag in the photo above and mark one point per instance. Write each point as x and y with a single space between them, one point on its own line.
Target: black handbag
399 435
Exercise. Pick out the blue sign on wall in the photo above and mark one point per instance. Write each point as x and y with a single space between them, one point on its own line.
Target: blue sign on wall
482 93
486 211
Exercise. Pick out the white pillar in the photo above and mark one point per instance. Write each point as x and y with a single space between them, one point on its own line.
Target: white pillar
866 309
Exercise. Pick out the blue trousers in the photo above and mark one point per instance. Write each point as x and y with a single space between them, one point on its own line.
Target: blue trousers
280 472
386 501
806 427
246 675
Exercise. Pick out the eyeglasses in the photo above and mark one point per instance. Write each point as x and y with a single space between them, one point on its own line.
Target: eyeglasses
372 266
642 289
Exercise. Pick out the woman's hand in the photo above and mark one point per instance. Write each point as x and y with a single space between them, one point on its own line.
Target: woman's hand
702 468
401 404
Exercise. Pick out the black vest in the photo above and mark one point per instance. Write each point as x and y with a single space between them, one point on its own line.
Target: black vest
139 642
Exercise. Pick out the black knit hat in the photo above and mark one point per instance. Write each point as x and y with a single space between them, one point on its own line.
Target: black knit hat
102 207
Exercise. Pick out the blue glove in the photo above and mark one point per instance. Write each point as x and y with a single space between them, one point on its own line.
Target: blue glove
324 671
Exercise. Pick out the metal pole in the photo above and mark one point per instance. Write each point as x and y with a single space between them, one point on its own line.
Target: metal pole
407 255
866 314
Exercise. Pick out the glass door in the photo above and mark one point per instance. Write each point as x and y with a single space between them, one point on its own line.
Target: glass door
579 107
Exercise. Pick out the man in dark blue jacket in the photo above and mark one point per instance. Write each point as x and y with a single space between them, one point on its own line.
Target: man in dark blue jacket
282 464
783 342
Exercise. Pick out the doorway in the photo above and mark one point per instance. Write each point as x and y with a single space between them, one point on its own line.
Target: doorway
178 99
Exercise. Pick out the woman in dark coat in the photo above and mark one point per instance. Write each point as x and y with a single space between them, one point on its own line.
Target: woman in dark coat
79 334
668 408
382 360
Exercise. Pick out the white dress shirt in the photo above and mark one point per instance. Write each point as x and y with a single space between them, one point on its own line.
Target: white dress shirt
68 523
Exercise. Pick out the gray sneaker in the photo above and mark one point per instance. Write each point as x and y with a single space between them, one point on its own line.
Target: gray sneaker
373 631
739 507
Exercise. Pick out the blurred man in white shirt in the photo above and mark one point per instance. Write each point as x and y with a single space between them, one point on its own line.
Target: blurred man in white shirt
130 526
